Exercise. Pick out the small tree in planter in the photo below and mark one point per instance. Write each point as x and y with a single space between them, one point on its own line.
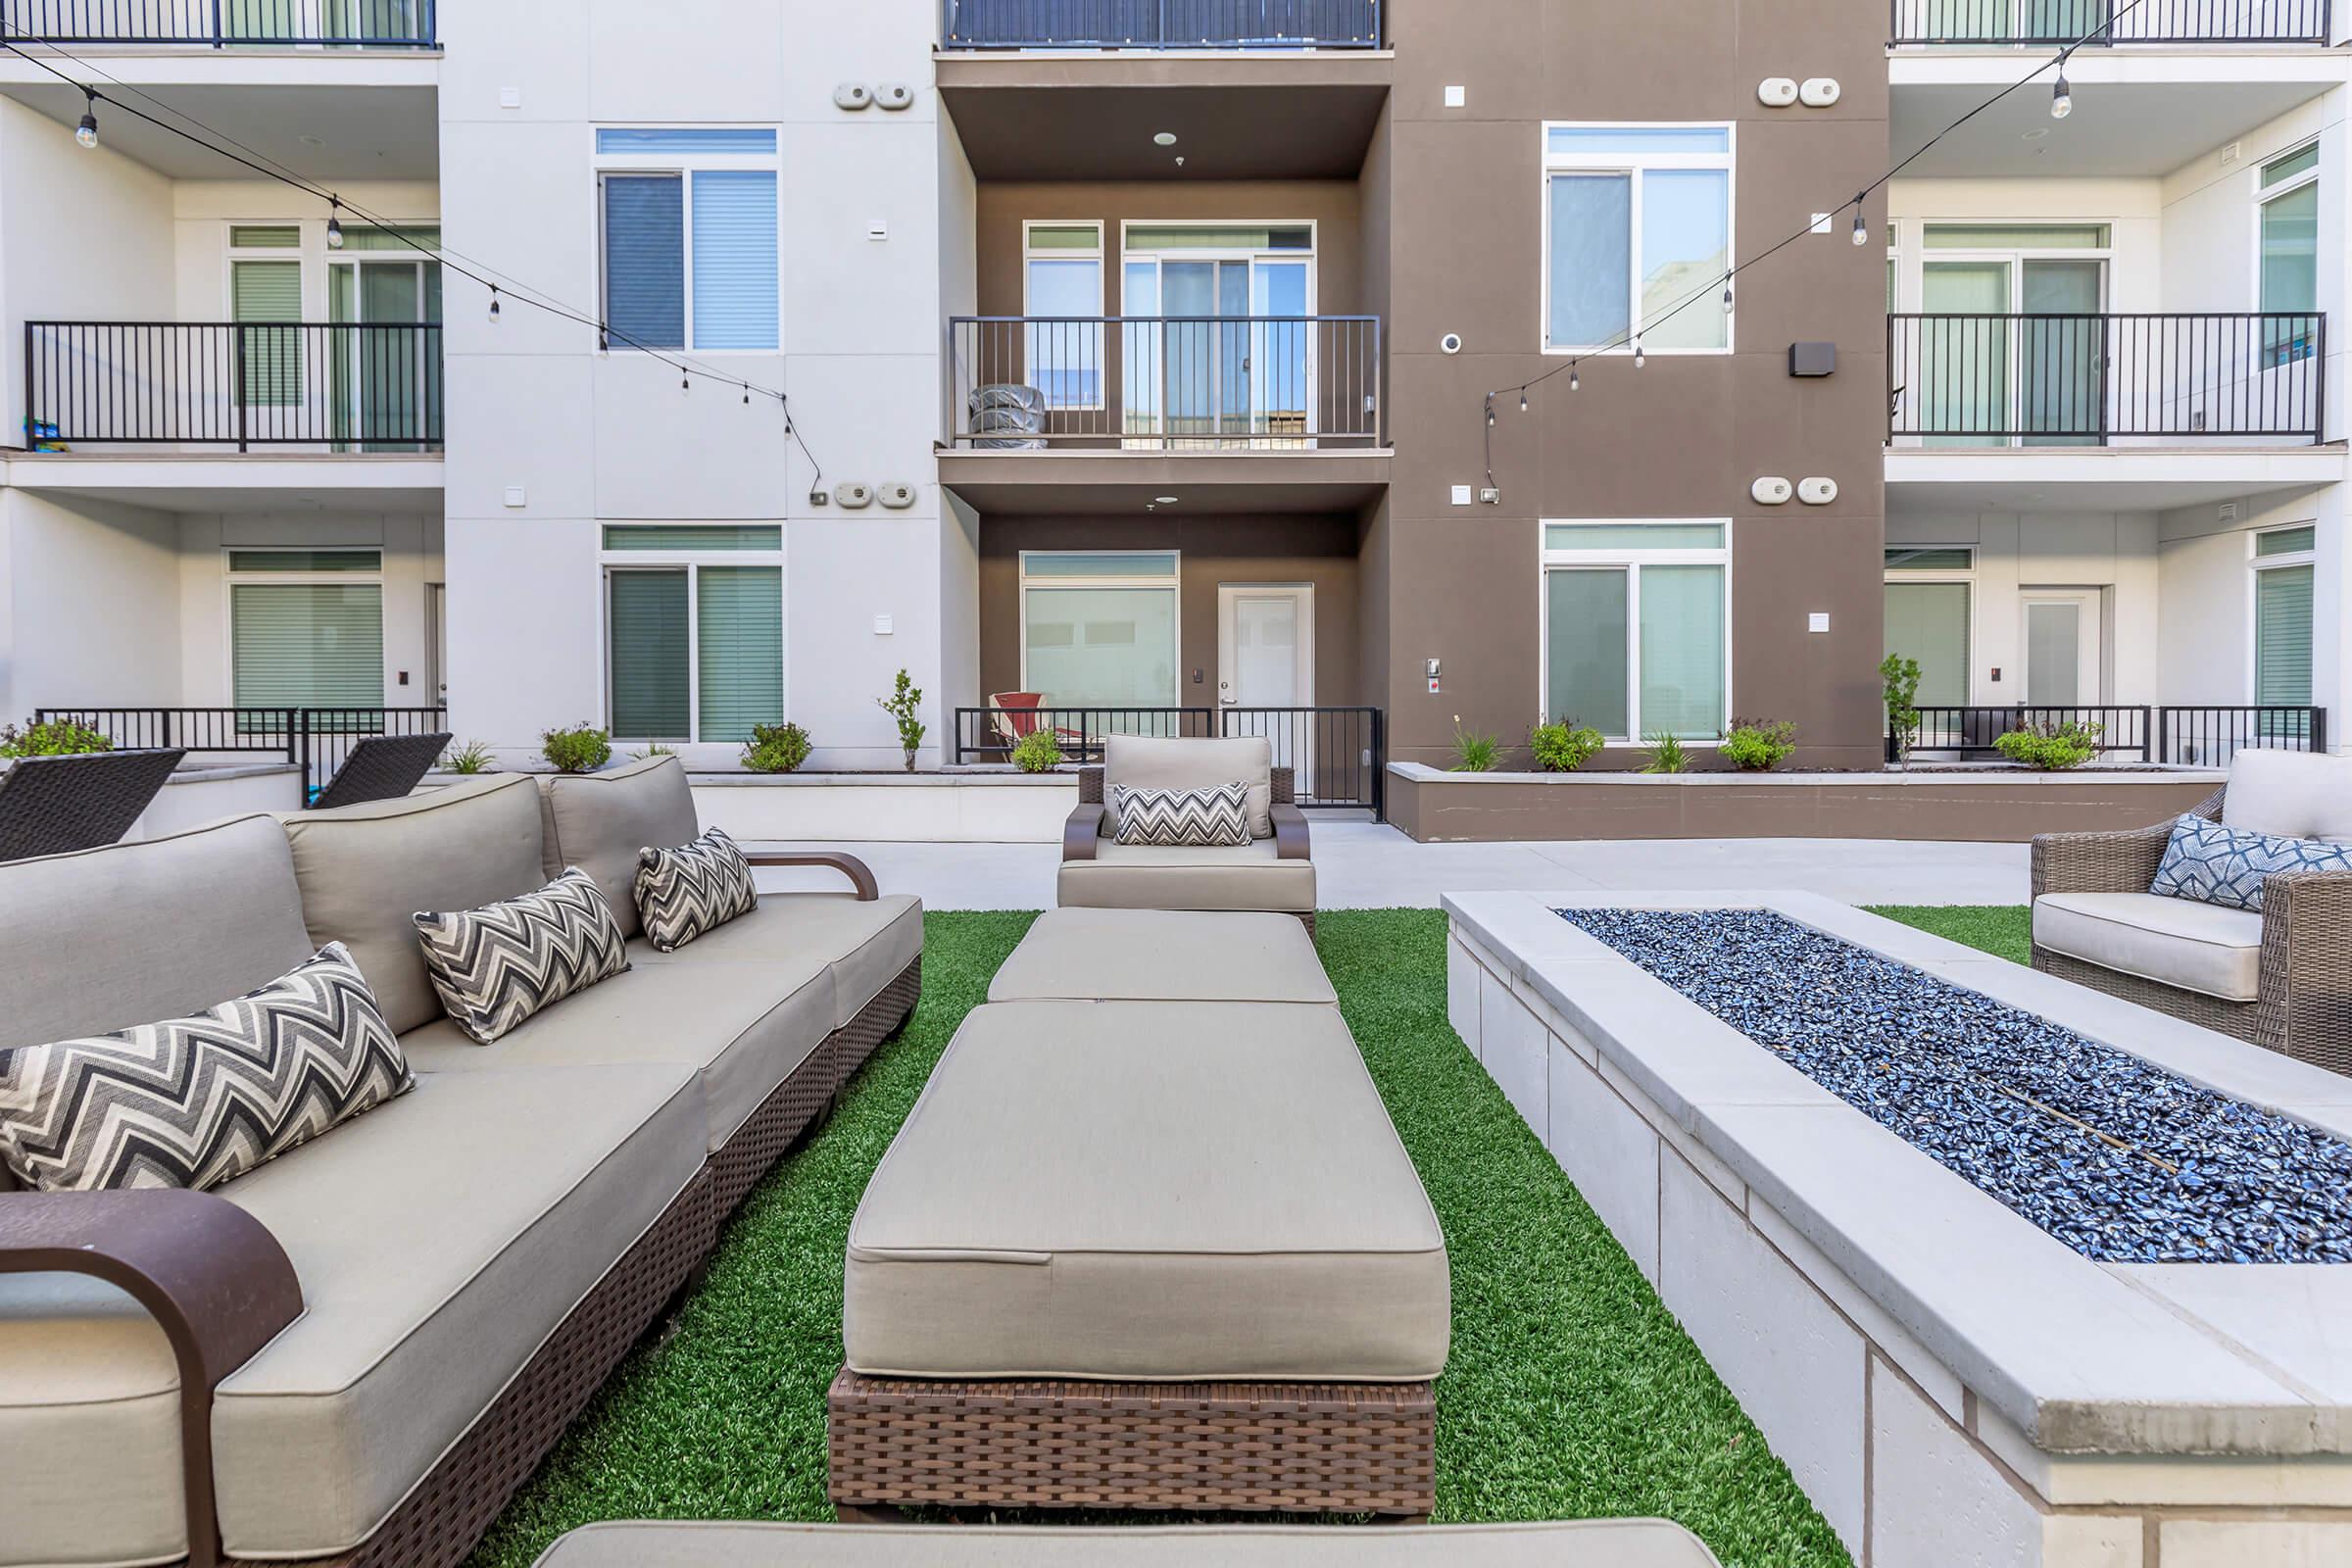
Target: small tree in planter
905 705
581 749
1900 676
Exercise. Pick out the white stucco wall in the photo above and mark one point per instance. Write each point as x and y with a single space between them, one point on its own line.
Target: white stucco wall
89 604
2207 634
202 209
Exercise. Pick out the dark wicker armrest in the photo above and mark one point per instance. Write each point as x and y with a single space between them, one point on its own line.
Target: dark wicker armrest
860 875
2307 962
214 1281
1285 782
2105 863
1289 834
1083 831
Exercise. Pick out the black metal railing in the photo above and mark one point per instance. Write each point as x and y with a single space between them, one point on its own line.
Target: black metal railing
1165 383
225 24
315 739
2045 23
2181 736
2090 381
1160 25
355 386
1337 756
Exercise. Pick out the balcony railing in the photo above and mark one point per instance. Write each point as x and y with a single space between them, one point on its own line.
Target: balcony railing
1191 383
2175 736
352 386
2097 380
1337 755
2045 23
1162 24
317 740
225 24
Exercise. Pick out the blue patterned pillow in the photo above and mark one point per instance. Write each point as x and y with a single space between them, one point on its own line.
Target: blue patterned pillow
2214 865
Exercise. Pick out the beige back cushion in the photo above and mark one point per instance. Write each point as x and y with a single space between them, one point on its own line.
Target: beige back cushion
599 822
2292 794
366 870
1139 762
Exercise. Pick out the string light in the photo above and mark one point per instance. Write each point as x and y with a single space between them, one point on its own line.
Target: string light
334 223
2062 97
1861 228
494 303
1640 358
86 133
1523 399
1573 384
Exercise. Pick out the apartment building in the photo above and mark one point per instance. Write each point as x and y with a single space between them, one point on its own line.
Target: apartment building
1353 370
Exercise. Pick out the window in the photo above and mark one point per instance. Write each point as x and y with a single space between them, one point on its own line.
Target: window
1638 236
2283 575
1636 627
306 628
1063 278
264 298
2290 256
1098 630
2016 236
694 630
689 221
1930 616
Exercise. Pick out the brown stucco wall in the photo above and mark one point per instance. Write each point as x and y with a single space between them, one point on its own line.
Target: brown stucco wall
1683 437
1317 549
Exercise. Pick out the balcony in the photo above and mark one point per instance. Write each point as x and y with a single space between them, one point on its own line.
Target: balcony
2144 380
1160 25
2060 24
225 24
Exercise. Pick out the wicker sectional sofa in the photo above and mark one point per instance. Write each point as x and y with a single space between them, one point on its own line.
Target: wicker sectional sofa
355 1354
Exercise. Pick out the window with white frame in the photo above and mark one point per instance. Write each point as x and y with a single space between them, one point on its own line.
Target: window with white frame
694 630
306 628
1931 594
1636 627
1061 281
2284 573
1637 236
1098 628
690 238
2289 194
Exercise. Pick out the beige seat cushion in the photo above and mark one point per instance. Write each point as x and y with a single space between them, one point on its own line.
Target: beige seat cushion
366 870
2294 795
1250 876
1161 1191
1138 762
599 822
1585 1544
743 1028
1161 955
2188 945
439 1240
867 945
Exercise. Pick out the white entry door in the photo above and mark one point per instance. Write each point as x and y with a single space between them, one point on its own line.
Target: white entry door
1266 660
2065 648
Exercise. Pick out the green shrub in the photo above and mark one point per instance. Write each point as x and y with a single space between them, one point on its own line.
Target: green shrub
905 705
657 749
581 749
56 738
1665 754
472 757
2051 748
1038 751
1759 747
1899 679
776 748
1475 754
1563 748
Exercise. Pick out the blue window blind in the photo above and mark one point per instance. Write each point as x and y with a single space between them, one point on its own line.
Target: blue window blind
622 140
645 259
735 260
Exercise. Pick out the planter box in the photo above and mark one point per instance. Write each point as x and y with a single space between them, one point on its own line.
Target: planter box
1953 1387
193 797
1936 805
964 807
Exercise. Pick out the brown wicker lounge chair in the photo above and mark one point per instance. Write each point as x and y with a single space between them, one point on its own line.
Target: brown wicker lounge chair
60 804
381 768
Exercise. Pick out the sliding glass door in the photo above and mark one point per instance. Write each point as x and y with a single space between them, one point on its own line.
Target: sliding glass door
1226 353
387 385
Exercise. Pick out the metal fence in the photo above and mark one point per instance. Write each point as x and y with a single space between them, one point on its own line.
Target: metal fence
2183 736
1160 25
1337 756
223 24
2045 23
356 386
1165 383
316 740
2091 380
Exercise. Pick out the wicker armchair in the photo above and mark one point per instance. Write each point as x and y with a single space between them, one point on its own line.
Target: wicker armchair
2304 1005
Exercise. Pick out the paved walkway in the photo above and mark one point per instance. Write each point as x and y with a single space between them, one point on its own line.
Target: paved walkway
1365 866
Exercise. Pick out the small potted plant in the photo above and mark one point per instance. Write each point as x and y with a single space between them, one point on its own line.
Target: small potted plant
1755 746
1038 751
776 748
905 705
1564 747
581 749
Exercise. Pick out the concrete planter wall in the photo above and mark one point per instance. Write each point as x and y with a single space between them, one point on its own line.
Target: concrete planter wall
1951 1387
193 797
881 807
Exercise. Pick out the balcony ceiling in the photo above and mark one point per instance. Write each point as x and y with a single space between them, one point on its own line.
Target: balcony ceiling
2118 130
327 132
1118 484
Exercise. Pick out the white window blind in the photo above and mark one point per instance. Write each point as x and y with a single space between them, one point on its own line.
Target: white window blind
2282 636
735 291
306 645
740 644
271 355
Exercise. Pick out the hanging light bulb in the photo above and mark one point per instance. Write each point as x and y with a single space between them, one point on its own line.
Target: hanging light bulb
1727 296
1573 383
2062 97
685 383
86 133
1640 358
494 303
747 393
1489 411
335 225
1523 399
1861 228
604 341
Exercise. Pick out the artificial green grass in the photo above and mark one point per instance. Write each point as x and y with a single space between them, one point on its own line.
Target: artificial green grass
2006 931
1571 1392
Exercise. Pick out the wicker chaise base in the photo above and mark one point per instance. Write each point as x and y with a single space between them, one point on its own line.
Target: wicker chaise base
1240 1448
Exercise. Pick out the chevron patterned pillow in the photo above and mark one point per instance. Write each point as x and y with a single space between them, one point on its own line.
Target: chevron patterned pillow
197 1102
496 966
2210 863
1217 817
692 890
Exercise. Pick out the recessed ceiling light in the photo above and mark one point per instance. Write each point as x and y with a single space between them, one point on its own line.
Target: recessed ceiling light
1163 501
2037 134
1166 138
311 141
